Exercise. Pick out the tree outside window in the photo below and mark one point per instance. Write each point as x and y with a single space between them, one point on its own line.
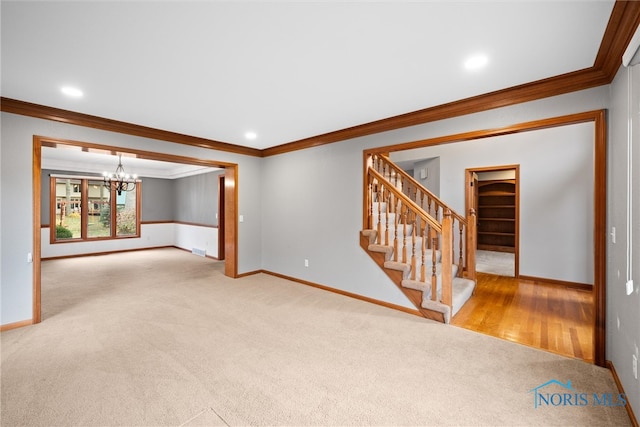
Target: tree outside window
83 209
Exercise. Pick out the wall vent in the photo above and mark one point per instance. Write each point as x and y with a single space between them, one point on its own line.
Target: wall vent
198 251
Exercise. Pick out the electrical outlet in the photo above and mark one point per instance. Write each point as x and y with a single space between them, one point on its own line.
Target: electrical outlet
635 366
306 263
630 287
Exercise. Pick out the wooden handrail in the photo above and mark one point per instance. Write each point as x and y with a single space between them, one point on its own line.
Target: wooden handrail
426 191
417 225
416 209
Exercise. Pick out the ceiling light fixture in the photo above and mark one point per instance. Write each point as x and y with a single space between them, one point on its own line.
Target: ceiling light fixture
251 135
475 62
119 181
72 91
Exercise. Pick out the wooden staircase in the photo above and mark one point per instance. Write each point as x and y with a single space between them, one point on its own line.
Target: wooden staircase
423 246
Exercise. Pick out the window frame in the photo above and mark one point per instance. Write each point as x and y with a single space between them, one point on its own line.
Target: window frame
84 210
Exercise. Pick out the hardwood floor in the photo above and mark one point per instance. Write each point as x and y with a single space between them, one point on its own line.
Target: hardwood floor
547 316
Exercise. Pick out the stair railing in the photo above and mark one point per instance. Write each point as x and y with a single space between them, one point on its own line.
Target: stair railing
436 208
401 223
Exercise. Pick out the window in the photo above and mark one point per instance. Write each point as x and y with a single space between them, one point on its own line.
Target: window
83 209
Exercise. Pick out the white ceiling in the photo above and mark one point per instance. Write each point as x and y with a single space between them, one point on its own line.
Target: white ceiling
68 158
285 70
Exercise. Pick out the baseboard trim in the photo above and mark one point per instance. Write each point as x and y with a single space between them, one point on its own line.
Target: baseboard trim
16 325
632 417
103 253
251 273
576 285
345 293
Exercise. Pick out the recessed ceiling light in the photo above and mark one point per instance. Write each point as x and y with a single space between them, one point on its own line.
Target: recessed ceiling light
72 91
251 135
475 62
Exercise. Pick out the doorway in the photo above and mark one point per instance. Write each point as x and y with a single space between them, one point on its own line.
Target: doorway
493 193
229 207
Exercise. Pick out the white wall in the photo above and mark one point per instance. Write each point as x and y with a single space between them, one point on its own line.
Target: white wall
623 311
16 190
151 235
187 236
431 167
184 236
312 199
556 193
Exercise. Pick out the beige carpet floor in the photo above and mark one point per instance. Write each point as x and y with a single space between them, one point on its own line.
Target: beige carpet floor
163 338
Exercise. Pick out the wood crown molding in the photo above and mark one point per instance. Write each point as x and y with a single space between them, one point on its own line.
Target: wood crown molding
15 106
624 19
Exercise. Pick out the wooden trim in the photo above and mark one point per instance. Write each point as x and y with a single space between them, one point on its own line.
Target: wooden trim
36 316
176 222
600 238
15 325
195 224
221 217
140 154
570 82
516 168
575 285
624 19
52 211
84 209
345 293
616 378
231 221
570 119
250 273
516 258
138 190
15 106
623 22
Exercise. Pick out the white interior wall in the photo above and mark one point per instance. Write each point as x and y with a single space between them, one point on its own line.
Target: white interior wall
187 236
184 236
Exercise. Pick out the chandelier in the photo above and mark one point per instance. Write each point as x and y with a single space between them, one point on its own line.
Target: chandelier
119 181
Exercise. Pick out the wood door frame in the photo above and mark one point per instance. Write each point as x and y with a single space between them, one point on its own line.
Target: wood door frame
221 217
230 206
469 193
599 119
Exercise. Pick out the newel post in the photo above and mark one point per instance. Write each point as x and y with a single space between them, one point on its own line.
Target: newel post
447 258
471 244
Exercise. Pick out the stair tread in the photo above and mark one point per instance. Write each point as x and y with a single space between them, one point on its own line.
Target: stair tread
380 248
396 265
421 286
